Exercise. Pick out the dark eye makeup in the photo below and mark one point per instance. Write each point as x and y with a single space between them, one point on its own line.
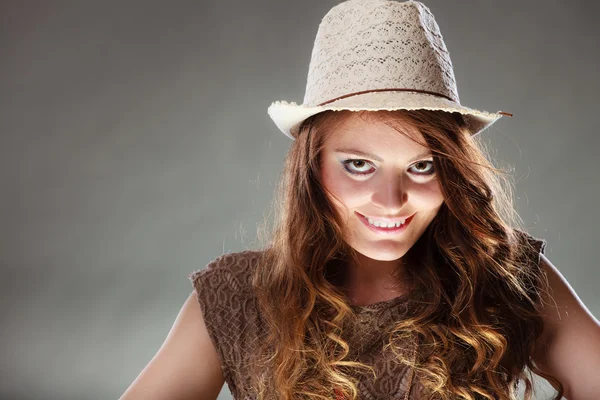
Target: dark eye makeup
355 165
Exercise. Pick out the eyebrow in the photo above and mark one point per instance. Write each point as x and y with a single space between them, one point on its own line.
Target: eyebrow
374 156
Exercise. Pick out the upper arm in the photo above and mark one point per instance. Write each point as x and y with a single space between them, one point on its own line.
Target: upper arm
569 347
186 366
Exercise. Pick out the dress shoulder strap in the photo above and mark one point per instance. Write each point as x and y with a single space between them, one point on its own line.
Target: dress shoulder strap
224 290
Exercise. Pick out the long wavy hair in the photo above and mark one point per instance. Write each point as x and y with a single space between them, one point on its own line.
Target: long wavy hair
479 309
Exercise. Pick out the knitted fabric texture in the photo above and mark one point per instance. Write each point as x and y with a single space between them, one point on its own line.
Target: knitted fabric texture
232 318
398 45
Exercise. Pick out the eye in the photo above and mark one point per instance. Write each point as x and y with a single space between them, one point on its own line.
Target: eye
424 167
363 167
357 166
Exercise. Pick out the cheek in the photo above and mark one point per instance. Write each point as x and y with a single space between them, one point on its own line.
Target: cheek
349 192
428 195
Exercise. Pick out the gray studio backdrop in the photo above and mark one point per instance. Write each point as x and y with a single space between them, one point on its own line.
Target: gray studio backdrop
135 148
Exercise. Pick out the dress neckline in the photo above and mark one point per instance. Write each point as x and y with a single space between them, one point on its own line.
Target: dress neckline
381 305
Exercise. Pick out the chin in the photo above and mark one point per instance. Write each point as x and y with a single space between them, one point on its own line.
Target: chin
381 252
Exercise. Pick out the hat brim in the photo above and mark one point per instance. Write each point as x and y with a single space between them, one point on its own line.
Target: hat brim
289 116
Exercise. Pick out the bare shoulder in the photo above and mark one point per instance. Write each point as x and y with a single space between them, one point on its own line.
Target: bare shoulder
186 366
564 305
569 347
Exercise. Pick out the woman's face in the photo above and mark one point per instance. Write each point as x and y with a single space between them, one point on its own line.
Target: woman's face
375 172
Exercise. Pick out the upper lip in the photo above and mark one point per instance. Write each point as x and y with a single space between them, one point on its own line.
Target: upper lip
388 219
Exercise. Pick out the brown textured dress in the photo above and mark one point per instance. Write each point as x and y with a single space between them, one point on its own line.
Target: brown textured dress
234 325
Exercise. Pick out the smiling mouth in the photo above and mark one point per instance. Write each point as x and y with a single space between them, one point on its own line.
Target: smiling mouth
394 229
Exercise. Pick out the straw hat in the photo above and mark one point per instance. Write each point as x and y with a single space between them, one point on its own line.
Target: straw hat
378 55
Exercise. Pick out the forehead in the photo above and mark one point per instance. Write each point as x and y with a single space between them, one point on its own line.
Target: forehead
372 131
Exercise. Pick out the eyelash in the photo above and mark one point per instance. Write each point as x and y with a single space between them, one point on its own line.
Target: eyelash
351 160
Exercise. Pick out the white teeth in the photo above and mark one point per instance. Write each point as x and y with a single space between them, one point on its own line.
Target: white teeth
384 224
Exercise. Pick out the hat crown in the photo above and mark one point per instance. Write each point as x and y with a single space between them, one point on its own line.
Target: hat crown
367 45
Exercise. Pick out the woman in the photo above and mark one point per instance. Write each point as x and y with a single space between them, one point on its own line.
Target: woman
395 268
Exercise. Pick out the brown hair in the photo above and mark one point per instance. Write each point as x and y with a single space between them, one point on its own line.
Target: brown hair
479 317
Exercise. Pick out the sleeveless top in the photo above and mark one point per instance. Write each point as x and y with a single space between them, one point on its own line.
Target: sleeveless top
232 318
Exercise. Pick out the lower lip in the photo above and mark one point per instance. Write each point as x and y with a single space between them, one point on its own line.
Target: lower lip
386 231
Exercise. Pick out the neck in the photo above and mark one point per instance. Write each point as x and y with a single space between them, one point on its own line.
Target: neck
367 280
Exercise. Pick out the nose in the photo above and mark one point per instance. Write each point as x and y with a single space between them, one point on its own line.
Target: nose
390 194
